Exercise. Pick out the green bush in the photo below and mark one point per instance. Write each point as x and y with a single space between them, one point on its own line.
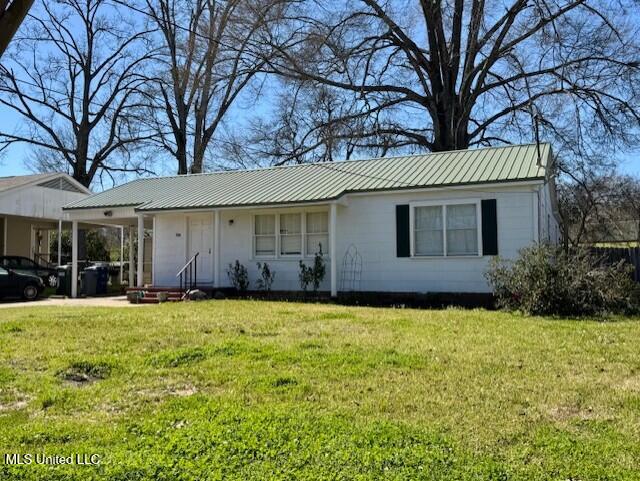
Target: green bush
545 280
267 276
312 275
239 276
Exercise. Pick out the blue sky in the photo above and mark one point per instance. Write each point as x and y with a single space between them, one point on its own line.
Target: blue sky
12 160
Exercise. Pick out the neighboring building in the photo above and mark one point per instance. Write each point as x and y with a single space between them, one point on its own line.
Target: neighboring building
421 223
31 212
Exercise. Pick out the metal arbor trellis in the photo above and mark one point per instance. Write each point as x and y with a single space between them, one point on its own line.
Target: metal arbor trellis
351 270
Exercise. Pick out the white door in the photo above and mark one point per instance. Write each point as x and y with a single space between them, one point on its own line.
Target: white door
200 240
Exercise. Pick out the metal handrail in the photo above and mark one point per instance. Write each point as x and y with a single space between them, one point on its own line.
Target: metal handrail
192 266
187 264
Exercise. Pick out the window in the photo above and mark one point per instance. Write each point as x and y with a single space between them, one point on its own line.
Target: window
25 263
445 230
317 233
265 235
11 263
299 234
462 230
428 231
290 234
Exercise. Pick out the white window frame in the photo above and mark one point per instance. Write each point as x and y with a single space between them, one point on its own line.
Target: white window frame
302 235
443 204
303 226
305 233
275 235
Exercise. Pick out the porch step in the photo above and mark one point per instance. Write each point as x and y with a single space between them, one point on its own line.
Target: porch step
151 294
154 289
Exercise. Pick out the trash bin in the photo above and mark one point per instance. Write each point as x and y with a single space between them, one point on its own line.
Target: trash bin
103 279
90 281
64 281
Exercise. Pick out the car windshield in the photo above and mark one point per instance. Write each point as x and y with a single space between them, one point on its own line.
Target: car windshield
26 263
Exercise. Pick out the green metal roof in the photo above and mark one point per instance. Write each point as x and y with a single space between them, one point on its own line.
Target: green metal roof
325 181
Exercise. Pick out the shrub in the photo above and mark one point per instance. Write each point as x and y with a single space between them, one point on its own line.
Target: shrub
545 280
267 277
238 276
312 275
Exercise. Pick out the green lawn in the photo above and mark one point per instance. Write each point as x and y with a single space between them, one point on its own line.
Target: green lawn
258 390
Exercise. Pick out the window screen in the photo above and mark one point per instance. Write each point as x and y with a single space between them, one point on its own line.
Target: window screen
428 238
265 235
317 233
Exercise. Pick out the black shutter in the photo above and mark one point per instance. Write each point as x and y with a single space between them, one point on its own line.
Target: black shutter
489 228
402 231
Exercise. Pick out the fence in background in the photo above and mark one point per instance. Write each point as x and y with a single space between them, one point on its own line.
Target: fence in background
616 254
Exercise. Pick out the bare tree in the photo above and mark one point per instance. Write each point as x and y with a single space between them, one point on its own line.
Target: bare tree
210 54
600 205
470 72
12 14
627 207
311 124
75 79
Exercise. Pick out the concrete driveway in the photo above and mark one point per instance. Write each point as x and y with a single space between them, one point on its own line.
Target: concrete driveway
116 301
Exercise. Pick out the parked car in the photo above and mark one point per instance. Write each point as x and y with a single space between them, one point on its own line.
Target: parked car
27 266
19 284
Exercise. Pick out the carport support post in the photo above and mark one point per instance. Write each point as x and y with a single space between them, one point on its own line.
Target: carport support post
131 267
59 242
216 248
74 258
332 249
140 251
121 253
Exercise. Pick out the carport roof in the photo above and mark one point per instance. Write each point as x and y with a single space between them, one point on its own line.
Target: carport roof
319 182
16 181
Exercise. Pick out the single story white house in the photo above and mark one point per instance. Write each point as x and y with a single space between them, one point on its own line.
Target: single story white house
419 223
31 213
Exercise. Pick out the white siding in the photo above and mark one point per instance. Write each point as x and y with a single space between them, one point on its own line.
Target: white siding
549 228
367 222
169 241
39 202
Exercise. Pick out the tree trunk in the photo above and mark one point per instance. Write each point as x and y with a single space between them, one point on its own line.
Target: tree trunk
181 156
449 127
10 21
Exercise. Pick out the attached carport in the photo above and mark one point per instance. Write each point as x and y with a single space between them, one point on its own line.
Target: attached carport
138 225
31 213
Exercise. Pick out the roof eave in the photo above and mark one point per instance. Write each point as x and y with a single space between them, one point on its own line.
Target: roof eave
150 210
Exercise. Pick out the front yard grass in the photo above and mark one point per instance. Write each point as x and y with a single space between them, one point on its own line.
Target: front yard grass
254 390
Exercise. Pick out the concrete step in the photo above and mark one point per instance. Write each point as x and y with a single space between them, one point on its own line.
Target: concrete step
154 289
151 294
154 300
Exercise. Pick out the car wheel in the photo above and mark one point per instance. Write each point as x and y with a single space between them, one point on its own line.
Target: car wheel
52 280
30 292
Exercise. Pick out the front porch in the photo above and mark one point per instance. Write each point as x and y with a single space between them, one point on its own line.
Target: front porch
202 243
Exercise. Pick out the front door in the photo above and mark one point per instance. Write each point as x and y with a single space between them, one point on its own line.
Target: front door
200 240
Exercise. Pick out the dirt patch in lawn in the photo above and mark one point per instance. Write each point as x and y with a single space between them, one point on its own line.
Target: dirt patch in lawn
84 372
631 384
574 413
13 400
182 390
